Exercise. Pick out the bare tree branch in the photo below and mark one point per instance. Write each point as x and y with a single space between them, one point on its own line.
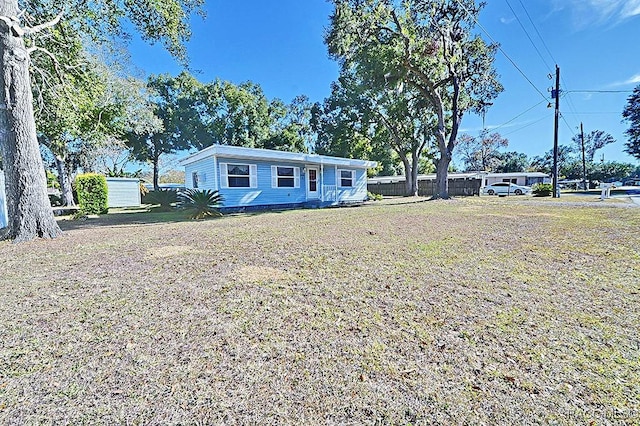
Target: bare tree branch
44 26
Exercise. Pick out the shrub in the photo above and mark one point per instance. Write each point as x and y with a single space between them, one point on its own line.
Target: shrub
542 189
374 197
201 203
166 198
92 193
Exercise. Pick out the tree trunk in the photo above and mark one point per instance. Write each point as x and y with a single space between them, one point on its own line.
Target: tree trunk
415 158
65 182
29 210
442 177
408 176
156 185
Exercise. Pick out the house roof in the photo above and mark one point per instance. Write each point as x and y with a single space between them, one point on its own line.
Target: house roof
268 154
518 174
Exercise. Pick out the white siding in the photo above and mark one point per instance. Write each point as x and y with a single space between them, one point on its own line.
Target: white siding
123 192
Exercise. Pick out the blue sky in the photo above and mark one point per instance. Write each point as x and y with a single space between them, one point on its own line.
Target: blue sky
596 43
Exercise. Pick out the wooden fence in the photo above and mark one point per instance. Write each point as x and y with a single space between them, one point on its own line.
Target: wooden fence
426 188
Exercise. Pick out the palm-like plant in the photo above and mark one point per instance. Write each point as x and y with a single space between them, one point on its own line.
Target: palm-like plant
201 203
166 198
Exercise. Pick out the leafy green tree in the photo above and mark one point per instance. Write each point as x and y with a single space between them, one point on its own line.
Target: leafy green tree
481 153
631 114
290 125
79 111
593 141
512 162
368 112
427 45
177 106
232 114
544 163
609 170
23 27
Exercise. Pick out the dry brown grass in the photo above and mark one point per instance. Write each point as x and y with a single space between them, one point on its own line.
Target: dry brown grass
474 311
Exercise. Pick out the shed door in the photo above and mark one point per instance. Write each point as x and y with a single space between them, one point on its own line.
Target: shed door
312 183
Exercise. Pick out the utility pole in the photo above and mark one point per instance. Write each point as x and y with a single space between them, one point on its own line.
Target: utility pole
556 93
584 162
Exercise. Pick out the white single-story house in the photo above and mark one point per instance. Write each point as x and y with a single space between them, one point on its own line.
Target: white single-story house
262 178
519 178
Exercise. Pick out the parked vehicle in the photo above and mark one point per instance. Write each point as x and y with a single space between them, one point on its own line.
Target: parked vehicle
506 188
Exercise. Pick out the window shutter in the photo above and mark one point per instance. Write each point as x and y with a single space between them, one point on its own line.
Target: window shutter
296 177
274 176
224 181
253 176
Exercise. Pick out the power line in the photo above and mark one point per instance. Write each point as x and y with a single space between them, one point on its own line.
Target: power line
566 94
546 117
595 113
569 126
528 36
598 91
502 51
569 99
519 115
537 32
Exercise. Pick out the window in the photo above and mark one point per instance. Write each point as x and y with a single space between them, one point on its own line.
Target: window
285 177
194 179
347 178
514 180
238 175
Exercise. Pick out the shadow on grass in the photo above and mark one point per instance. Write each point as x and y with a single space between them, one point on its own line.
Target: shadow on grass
142 216
125 217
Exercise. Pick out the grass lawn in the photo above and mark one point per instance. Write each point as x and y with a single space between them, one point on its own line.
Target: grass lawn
471 311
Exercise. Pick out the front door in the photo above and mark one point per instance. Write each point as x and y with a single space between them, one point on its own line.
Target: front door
312 183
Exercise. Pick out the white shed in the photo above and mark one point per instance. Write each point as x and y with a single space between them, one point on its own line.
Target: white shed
3 203
123 192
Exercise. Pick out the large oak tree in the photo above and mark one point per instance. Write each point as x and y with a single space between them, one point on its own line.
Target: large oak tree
428 45
21 26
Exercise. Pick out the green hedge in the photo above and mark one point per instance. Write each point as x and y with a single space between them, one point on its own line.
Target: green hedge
92 193
542 189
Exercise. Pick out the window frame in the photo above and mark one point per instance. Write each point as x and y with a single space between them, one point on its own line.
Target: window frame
224 175
352 178
276 176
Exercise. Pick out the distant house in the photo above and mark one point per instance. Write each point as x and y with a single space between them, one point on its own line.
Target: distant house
519 178
460 184
260 178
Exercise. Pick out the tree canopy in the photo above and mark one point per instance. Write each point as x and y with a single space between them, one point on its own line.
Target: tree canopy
593 141
631 114
427 45
481 153
25 28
